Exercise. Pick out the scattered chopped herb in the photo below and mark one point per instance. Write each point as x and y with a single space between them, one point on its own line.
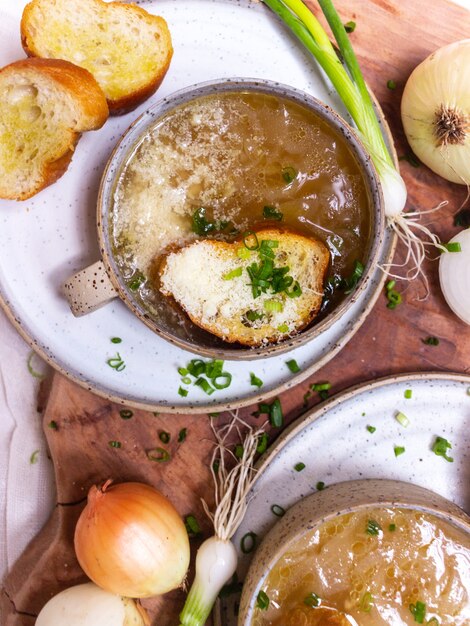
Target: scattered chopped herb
183 392
239 449
350 284
373 528
182 371
402 419
283 328
366 602
186 380
322 389
33 459
116 340
200 225
159 455
262 443
431 341
293 366
462 218
391 84
299 467
114 444
411 158
213 414
215 466
371 429
203 372
408 394
205 386
307 397
398 450
250 241
440 448
393 296
320 485
248 542
271 213
234 586
262 601
136 281
452 246
164 436
418 611
276 417
222 380
312 600
392 527
273 306
243 253
192 526
233 274
116 363
53 425
350 26
289 174
277 510
255 381
265 276
126 414
31 369
182 435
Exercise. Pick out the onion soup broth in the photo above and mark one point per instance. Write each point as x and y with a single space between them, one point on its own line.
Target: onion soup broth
375 567
224 164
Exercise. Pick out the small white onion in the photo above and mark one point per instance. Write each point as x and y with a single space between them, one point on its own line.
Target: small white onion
88 605
454 275
435 111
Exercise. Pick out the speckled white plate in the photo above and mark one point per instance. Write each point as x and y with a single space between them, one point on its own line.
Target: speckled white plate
335 445
50 237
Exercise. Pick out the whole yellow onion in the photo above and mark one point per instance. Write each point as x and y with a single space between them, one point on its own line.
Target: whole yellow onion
130 540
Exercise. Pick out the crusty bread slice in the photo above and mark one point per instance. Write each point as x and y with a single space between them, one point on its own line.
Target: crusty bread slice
196 277
44 106
126 49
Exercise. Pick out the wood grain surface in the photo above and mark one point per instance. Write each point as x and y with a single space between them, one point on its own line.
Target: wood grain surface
391 38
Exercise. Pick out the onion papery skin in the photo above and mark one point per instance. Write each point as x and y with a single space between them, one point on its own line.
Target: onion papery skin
130 540
441 80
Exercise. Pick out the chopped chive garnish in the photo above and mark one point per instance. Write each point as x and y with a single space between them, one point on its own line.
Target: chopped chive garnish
243 253
283 328
159 455
222 381
350 26
250 241
136 281
418 611
200 225
53 425
440 448
462 218
398 450
402 419
186 380
33 459
371 429
182 435
323 389
126 414
289 174
411 158
277 510
271 213
307 397
350 284
320 485
248 542
239 449
255 381
392 527
182 371
312 600
116 363
183 392
391 84
213 414
299 467
164 436
276 417
233 274
262 443
262 601
393 296
453 246
114 444
215 466
366 602
205 386
373 528
31 369
431 341
273 306
408 394
293 366
116 340
192 526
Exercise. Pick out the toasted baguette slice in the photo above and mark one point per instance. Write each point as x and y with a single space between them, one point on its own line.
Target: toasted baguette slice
194 277
126 49
44 106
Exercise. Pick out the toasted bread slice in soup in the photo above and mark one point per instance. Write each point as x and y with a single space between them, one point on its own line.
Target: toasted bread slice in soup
126 49
210 280
44 106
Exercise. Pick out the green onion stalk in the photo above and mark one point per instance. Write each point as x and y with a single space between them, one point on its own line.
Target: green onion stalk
349 82
216 559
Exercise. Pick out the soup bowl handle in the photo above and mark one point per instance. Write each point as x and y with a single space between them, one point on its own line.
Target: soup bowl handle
89 289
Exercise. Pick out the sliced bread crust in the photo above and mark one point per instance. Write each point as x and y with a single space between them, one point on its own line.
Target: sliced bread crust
210 282
45 104
127 49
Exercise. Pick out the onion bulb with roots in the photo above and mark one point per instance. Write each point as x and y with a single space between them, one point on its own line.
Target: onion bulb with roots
131 541
454 276
88 605
435 111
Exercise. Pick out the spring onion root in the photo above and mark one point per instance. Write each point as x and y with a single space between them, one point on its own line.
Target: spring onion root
216 560
348 81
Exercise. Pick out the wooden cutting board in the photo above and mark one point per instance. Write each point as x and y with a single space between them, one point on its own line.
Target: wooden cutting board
391 38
